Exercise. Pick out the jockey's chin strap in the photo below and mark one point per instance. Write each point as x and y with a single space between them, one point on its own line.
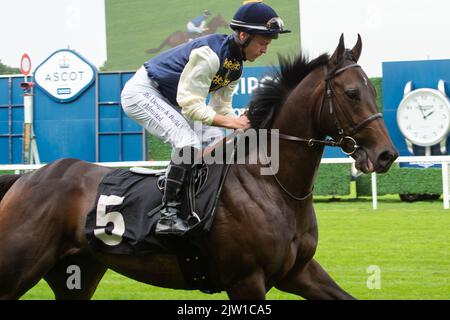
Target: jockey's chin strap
346 141
243 44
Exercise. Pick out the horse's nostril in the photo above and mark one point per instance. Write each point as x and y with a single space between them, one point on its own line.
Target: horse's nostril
386 158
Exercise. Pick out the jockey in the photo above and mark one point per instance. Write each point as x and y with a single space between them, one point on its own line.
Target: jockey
197 25
167 96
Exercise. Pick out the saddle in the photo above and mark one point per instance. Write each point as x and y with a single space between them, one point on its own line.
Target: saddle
126 211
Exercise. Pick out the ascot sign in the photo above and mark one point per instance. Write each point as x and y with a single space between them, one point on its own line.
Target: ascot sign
64 75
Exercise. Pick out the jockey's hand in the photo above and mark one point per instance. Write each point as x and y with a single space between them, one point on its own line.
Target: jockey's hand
231 122
242 122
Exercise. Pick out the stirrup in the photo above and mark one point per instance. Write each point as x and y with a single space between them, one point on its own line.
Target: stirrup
171 225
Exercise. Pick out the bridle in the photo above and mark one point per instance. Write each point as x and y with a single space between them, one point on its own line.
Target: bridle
345 139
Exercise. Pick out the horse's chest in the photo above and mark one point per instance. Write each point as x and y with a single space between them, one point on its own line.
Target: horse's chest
297 252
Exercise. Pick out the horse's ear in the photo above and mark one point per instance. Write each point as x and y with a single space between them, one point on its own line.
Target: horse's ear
339 52
356 51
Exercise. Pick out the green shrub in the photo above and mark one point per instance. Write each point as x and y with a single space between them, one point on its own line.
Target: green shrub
402 181
333 179
377 83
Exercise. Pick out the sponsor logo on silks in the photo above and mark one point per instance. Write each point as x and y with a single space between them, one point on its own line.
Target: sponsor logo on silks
64 75
220 81
230 65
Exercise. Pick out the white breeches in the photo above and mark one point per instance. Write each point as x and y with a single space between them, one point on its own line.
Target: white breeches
142 102
192 28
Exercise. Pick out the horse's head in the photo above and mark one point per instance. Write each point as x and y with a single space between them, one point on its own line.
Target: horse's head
309 100
348 112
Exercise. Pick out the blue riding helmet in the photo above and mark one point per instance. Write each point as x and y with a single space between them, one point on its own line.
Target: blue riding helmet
258 18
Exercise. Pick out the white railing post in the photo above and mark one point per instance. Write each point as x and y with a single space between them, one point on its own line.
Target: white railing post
374 191
445 184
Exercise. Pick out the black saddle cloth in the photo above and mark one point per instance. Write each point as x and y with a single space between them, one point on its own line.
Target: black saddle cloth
126 226
125 213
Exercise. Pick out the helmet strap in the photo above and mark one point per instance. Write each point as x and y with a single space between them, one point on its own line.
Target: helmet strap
243 43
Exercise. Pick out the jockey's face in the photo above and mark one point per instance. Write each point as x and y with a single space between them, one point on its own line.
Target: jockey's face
257 46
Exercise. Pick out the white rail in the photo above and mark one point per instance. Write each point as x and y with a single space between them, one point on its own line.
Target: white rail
23 167
442 160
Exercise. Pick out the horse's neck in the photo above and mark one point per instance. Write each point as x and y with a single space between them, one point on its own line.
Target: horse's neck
299 162
213 25
212 29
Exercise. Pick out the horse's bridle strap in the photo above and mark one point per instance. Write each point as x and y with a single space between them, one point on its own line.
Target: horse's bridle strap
365 122
332 75
310 142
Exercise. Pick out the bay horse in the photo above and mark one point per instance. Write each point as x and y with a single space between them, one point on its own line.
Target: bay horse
265 231
179 37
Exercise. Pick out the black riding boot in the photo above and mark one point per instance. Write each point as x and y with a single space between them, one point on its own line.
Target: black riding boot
171 221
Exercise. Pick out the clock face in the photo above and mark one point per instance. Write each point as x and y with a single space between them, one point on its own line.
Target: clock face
423 117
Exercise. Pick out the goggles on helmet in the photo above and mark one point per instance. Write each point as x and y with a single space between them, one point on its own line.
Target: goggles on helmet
274 25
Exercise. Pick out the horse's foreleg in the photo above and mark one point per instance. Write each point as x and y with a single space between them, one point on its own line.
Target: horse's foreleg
313 282
251 287
19 272
75 277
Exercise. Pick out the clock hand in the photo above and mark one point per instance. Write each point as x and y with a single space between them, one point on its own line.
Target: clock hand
421 111
429 114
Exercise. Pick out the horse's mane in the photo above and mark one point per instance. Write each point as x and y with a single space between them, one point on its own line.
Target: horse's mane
274 89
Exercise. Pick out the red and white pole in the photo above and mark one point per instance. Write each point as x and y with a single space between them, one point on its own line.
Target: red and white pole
29 150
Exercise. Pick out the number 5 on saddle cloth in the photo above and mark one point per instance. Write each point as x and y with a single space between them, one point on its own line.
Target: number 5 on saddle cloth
128 203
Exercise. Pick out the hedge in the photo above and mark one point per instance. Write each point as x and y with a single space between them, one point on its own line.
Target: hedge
402 181
333 179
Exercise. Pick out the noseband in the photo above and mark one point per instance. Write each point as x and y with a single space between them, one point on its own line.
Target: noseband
345 139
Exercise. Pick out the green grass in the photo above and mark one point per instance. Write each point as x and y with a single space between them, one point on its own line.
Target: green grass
409 242
135 25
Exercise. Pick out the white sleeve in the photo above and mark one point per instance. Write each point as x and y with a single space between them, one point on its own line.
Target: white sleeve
221 100
195 81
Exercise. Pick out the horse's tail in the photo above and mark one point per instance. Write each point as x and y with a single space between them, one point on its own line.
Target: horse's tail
6 182
155 50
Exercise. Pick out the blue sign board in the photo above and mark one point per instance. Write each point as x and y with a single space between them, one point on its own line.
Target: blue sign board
11 120
91 127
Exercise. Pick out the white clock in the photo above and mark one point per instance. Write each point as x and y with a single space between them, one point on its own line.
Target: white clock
423 116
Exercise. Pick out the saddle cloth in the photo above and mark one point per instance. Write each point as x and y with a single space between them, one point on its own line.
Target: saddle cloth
126 210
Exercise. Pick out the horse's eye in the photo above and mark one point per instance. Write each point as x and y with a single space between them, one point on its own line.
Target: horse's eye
352 94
